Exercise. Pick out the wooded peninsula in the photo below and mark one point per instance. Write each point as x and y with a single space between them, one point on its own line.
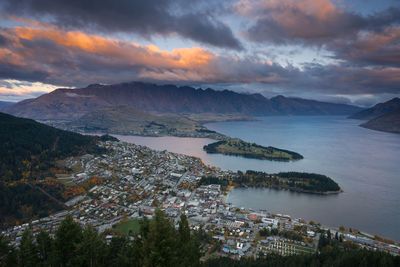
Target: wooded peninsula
237 147
293 181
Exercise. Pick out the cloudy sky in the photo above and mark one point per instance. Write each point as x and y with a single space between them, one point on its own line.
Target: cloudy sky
335 50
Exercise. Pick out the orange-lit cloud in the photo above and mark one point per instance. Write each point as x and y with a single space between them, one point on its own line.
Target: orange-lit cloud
38 52
86 58
321 9
130 53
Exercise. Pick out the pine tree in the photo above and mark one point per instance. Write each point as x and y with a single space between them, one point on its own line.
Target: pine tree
119 252
68 235
184 231
45 246
8 255
189 244
91 250
161 244
28 253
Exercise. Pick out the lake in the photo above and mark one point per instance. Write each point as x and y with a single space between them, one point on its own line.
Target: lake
365 163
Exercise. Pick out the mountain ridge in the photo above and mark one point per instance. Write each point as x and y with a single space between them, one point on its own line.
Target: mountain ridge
4 104
383 117
377 110
389 122
69 104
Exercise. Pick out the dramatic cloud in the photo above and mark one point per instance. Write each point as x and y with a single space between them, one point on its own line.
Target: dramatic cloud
54 56
371 48
63 46
310 21
146 18
353 39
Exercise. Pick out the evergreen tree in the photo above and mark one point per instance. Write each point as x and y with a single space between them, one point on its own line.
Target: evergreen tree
91 250
28 253
161 244
189 244
119 252
144 227
45 246
67 237
8 255
184 231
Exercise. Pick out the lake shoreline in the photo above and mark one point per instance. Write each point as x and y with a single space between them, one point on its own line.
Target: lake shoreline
332 145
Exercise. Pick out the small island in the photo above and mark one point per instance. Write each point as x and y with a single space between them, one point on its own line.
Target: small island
237 147
301 182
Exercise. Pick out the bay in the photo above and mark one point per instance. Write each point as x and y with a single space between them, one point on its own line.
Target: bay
365 163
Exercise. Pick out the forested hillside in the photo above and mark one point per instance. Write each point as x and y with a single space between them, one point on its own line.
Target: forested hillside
28 151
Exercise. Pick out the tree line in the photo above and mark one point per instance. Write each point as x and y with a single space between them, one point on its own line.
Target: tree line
158 243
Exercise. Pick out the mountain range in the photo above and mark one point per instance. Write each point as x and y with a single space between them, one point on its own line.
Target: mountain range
4 104
381 117
71 104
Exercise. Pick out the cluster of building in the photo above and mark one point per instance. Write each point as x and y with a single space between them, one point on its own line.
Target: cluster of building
132 181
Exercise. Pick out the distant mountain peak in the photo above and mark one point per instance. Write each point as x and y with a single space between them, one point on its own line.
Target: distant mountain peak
94 85
278 97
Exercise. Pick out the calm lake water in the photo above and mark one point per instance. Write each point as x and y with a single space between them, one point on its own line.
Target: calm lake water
365 163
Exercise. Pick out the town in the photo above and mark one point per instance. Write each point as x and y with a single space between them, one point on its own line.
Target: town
132 181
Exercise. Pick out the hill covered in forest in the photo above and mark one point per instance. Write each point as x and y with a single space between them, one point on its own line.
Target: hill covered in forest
28 152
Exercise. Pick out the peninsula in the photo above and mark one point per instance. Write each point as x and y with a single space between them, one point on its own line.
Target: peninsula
237 147
294 181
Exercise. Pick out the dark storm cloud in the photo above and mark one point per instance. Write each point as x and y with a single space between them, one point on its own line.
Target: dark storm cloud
360 39
311 22
373 48
143 17
3 40
54 56
21 73
350 80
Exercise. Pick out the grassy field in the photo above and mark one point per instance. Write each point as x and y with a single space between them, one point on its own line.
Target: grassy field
129 225
65 179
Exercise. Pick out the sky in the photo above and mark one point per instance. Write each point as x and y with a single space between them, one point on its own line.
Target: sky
332 50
